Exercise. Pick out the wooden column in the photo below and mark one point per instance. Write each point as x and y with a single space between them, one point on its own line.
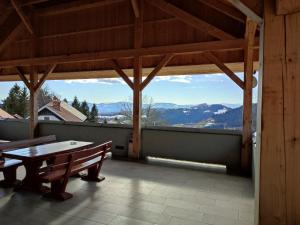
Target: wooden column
247 113
137 106
33 106
137 94
279 197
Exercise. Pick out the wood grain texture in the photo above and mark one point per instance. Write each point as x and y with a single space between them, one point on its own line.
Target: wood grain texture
287 6
273 190
191 20
291 85
248 85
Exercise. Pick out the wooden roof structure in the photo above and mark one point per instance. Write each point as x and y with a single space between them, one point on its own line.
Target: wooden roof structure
81 39
77 39
90 38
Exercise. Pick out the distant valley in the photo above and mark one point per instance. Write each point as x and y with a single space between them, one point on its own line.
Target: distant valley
221 116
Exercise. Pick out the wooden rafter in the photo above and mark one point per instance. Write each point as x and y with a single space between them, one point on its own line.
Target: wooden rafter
214 59
120 72
23 77
161 64
44 77
129 53
74 6
135 7
191 20
225 9
10 30
22 15
247 11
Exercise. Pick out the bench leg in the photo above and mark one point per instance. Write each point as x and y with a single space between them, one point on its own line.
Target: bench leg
58 191
93 174
10 178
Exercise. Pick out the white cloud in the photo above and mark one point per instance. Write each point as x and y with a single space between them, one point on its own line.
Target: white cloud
106 81
176 79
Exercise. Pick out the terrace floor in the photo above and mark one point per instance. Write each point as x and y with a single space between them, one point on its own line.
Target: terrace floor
139 194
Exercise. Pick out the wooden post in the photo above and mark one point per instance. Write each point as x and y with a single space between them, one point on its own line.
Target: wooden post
137 94
279 196
247 114
137 106
33 107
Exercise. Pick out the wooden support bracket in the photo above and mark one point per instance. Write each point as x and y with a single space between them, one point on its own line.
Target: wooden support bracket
214 59
120 72
44 77
164 61
23 77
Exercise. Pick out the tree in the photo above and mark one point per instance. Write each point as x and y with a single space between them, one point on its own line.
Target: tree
76 103
65 100
94 114
44 96
17 100
84 109
149 117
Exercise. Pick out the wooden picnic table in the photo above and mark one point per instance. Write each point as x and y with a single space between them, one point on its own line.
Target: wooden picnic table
33 158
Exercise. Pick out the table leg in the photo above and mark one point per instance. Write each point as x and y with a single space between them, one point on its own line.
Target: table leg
10 178
31 181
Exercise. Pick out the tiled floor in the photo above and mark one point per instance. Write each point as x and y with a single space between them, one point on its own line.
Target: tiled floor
139 194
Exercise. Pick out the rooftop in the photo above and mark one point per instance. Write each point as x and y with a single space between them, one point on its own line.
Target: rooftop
144 194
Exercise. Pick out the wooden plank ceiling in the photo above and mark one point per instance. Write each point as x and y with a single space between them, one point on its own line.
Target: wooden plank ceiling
82 37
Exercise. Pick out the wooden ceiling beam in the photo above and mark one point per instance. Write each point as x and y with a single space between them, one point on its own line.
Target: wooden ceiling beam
94 30
247 11
180 49
74 6
120 72
215 60
198 69
135 8
10 30
164 61
225 9
191 20
22 15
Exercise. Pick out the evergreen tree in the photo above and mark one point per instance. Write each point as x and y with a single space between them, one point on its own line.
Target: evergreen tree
23 102
84 108
76 104
16 102
94 114
65 100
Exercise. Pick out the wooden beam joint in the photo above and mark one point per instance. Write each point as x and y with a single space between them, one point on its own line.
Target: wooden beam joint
164 61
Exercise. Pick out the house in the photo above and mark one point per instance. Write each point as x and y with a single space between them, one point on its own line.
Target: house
57 110
5 115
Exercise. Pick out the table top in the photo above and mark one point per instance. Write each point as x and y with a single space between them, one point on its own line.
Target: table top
46 150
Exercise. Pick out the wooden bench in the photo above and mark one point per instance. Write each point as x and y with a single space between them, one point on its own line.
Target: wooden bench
65 165
9 166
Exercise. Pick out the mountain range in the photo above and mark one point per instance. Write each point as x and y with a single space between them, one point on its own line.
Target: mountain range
202 115
117 107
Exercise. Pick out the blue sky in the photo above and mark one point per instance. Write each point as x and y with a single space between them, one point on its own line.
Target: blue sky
196 89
